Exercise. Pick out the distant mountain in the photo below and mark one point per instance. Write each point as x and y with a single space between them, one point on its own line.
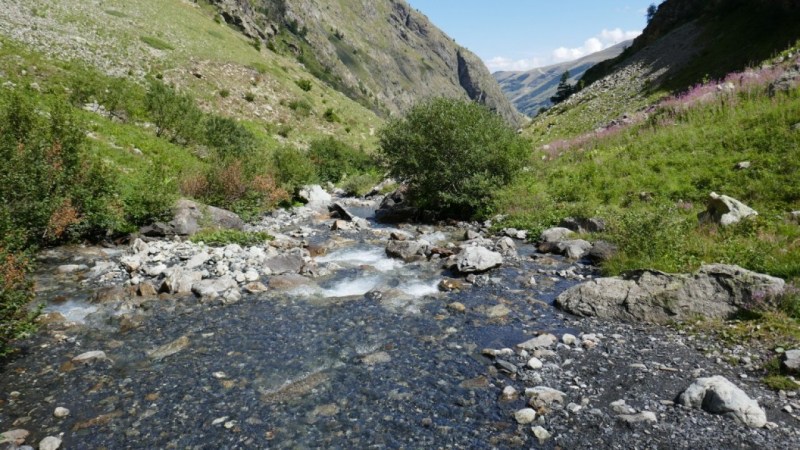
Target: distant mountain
382 53
530 91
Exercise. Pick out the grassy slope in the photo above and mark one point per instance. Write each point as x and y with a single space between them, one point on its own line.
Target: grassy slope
116 37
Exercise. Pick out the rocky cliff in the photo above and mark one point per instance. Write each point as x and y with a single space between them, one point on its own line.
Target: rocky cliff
382 53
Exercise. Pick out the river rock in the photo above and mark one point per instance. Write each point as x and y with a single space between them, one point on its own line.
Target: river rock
288 281
71 268
724 210
213 288
714 291
644 416
475 259
556 234
581 225
791 361
90 357
189 217
544 396
717 395
284 264
394 208
342 212
545 340
60 412
525 416
342 225
169 349
601 252
197 260
180 281
408 250
506 247
314 195
14 437
255 287
50 443
541 433
574 249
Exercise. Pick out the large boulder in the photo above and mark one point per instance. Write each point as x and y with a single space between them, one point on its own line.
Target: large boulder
574 249
394 208
717 395
408 250
180 281
581 225
189 217
477 259
556 234
282 264
724 210
714 291
315 196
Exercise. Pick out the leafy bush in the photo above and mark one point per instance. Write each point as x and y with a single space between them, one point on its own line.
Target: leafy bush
361 184
51 191
149 197
250 97
224 93
221 238
293 169
304 84
335 159
330 116
228 137
453 154
175 115
16 293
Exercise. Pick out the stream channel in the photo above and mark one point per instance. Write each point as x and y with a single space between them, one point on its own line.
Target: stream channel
368 355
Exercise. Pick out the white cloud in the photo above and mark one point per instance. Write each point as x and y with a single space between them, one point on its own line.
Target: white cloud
603 40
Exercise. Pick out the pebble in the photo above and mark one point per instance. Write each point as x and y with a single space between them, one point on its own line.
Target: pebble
644 416
509 393
457 307
88 357
535 363
541 433
16 437
61 412
50 443
569 339
525 416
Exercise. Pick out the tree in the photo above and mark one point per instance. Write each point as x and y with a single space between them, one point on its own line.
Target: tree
454 155
651 12
564 89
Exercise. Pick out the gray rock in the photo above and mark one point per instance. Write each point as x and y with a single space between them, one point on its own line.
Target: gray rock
408 250
394 208
197 260
90 357
525 416
544 396
14 437
591 225
743 165
342 212
189 217
574 249
288 282
715 291
71 268
791 361
601 252
477 259
506 247
556 234
545 340
725 210
541 433
717 395
314 195
60 412
180 281
213 288
284 264
255 288
169 349
644 416
50 443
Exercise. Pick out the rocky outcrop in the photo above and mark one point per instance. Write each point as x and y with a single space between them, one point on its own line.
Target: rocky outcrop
477 259
395 208
717 395
189 217
392 57
724 210
715 291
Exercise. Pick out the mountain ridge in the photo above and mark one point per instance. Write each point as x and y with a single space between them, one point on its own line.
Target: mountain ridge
530 90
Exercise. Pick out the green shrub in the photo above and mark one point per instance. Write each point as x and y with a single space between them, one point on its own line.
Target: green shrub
301 107
224 93
330 116
453 154
16 293
335 159
51 190
221 238
175 115
228 137
250 97
293 169
150 196
304 84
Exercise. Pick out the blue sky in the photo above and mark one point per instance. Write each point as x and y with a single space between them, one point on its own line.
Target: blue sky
522 34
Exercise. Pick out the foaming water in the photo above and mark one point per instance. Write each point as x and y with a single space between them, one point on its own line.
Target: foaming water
352 286
72 310
362 256
420 288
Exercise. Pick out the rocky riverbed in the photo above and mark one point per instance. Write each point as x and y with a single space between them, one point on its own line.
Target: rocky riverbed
364 336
